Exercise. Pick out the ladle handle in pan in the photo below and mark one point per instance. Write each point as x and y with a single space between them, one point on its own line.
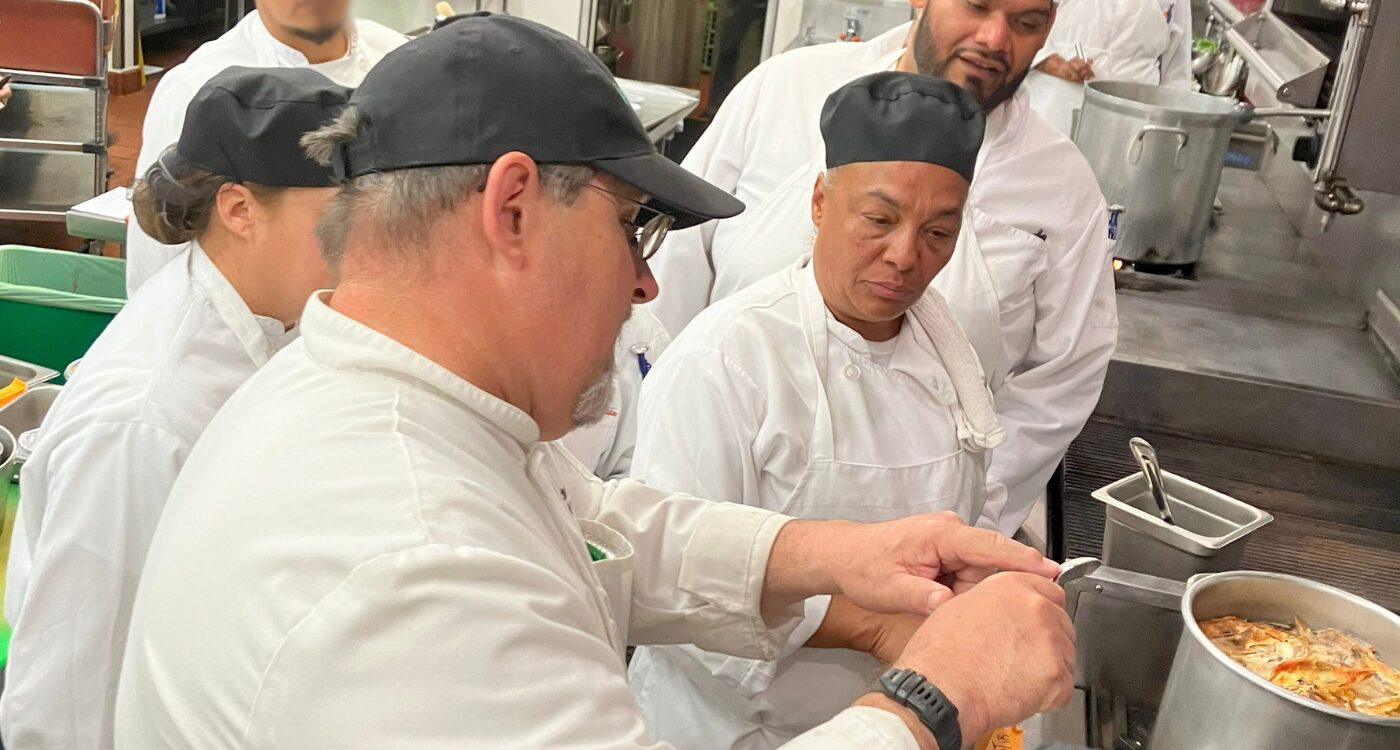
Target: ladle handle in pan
1146 457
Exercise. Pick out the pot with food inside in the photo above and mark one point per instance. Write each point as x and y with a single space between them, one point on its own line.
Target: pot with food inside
1272 661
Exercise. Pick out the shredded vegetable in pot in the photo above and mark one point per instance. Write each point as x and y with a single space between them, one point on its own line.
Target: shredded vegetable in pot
1326 665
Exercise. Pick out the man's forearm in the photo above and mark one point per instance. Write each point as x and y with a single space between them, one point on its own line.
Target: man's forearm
799 565
848 625
845 626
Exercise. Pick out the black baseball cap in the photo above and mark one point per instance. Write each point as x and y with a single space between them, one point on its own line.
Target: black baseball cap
894 116
246 123
485 85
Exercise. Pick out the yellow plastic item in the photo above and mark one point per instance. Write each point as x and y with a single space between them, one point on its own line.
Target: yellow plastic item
1007 738
12 391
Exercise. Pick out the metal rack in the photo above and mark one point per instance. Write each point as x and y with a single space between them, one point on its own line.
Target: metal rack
53 134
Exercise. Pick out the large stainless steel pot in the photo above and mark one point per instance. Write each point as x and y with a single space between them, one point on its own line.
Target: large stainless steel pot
1212 703
1157 152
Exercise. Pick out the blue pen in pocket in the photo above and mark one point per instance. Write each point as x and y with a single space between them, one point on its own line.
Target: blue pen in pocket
642 364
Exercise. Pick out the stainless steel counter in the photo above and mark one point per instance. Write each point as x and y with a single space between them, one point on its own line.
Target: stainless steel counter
661 108
1261 349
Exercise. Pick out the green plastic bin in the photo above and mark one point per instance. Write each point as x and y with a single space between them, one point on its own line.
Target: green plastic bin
54 304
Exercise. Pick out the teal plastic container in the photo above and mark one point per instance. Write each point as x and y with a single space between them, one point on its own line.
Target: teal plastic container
54 303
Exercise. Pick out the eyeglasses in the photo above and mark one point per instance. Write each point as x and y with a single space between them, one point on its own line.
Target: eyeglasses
647 230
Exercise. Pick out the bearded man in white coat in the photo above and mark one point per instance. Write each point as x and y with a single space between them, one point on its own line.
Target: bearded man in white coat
316 34
837 388
1030 282
1121 40
371 546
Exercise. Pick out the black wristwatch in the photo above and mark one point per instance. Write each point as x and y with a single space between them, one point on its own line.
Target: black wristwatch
909 689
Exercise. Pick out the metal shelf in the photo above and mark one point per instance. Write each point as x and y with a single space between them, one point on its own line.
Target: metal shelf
172 23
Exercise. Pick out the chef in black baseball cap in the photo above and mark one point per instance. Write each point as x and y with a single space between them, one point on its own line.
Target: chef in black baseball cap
243 200
486 85
380 542
496 135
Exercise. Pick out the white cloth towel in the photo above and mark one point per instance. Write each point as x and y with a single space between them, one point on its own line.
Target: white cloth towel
978 428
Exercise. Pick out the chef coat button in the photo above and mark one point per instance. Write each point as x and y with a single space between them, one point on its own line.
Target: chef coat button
852 372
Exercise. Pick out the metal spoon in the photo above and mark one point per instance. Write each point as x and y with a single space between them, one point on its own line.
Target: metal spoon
1146 457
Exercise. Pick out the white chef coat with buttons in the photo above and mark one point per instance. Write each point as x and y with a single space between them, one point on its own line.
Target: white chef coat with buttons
250 44
108 452
365 550
767 400
1038 297
606 447
1126 40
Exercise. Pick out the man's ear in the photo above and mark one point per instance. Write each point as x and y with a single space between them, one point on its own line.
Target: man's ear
511 200
819 198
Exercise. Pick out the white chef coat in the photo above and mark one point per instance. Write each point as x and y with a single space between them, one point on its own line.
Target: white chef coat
248 43
607 446
93 490
1043 309
1176 61
1126 39
365 550
767 400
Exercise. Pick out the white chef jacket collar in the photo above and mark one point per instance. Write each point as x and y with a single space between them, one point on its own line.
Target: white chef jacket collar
341 343
913 353
260 336
293 58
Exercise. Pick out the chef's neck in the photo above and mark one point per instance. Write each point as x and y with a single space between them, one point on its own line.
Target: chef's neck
333 48
870 330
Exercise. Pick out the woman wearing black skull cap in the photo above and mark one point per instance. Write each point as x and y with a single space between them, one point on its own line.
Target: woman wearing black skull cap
240 194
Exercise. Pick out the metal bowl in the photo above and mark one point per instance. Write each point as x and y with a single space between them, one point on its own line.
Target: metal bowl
1201 61
1225 76
7 455
22 416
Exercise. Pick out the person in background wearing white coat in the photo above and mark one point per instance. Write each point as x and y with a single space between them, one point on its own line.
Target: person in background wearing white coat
1122 40
1030 282
315 34
244 201
371 546
607 446
836 388
1176 61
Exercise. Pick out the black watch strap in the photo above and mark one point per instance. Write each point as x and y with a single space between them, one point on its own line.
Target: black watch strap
909 688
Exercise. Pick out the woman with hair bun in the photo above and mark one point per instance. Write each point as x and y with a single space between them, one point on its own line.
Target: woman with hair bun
240 193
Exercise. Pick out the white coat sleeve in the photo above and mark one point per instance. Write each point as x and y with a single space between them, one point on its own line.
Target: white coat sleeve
698 569
1044 406
1176 64
699 421
439 647
165 119
992 507
106 488
1139 43
683 267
